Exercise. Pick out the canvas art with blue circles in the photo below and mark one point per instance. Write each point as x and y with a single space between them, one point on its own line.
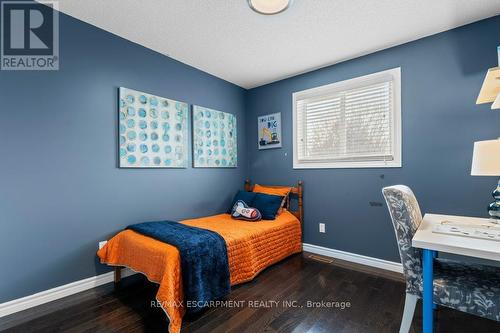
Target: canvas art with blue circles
153 131
214 139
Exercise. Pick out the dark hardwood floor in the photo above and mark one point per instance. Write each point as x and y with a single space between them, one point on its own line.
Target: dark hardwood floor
376 304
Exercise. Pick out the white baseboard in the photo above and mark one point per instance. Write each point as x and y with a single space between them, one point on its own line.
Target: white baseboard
353 257
53 294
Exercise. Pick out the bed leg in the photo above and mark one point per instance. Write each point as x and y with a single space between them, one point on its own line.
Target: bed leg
118 274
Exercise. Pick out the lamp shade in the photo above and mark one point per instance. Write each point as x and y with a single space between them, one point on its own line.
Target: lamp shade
486 158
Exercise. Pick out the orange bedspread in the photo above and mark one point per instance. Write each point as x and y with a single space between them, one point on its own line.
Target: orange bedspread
251 247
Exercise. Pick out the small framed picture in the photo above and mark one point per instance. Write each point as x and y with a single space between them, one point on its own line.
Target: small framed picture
269 128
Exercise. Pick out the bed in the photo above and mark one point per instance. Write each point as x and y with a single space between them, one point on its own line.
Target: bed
251 247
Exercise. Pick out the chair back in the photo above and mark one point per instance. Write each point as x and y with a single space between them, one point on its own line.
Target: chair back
406 218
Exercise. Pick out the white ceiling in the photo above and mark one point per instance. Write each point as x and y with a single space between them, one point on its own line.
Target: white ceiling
227 39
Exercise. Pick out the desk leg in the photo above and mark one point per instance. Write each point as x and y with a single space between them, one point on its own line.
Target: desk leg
428 304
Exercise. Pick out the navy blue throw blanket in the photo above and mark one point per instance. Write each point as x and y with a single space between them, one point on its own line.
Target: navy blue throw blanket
204 263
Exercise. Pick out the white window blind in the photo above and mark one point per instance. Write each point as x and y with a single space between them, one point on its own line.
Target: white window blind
348 124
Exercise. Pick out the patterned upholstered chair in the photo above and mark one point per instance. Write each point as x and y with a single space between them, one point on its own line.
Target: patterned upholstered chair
470 288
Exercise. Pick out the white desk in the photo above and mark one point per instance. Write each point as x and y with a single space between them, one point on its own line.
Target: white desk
431 242
424 238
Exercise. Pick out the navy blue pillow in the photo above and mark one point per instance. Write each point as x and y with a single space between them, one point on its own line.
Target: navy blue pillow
268 205
245 196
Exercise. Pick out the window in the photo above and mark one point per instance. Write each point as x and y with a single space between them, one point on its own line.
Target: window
349 124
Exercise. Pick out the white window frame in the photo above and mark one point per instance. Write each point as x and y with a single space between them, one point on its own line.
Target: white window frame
361 81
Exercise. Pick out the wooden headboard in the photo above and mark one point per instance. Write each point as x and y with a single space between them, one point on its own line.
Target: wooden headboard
296 190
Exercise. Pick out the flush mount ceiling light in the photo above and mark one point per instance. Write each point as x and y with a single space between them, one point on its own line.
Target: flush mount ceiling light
269 7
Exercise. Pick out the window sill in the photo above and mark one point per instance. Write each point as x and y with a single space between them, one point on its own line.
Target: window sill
347 165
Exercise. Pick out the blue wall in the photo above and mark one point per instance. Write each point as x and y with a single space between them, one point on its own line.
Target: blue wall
61 192
60 189
441 78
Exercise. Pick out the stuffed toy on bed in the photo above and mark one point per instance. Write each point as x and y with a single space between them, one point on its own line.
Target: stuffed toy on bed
241 211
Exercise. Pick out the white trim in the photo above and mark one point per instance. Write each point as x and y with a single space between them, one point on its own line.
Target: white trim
72 288
56 293
396 162
347 165
353 257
